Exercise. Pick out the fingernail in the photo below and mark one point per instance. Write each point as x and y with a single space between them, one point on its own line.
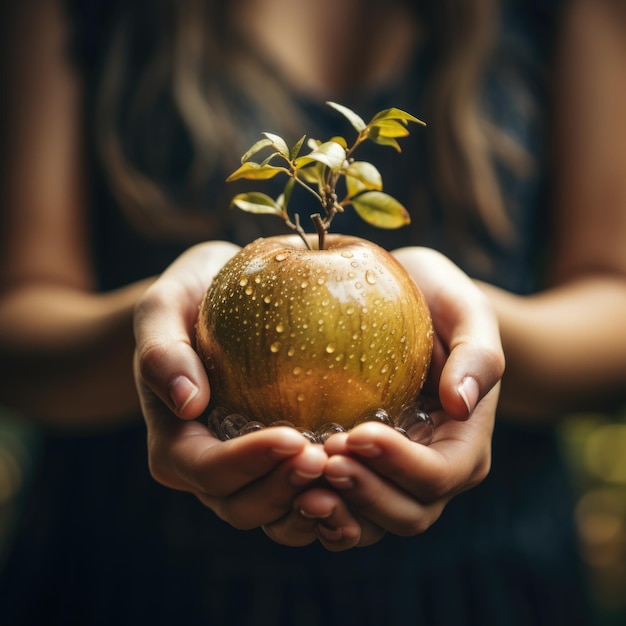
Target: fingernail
299 478
311 516
341 482
469 391
330 534
282 453
369 450
182 392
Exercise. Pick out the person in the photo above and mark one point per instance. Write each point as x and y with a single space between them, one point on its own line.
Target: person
123 120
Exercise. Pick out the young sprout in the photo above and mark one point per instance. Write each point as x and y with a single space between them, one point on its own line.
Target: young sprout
320 170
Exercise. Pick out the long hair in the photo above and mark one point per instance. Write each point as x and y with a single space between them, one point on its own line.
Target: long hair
185 56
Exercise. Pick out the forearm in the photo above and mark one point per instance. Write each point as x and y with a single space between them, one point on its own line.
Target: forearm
565 348
66 355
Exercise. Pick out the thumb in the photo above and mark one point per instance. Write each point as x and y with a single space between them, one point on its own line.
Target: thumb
165 361
470 372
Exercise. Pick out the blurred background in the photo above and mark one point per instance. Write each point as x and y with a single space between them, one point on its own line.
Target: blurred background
594 444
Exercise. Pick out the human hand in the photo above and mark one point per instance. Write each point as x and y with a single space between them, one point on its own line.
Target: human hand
393 484
250 481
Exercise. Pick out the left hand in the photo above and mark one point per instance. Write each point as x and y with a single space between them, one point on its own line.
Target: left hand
389 483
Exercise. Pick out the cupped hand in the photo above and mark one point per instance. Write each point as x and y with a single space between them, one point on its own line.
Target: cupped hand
360 484
392 484
249 482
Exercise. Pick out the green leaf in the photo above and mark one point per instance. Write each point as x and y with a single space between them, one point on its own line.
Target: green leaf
395 114
381 210
375 136
284 198
389 128
362 176
313 174
255 171
259 145
357 122
295 150
341 141
330 153
257 202
279 143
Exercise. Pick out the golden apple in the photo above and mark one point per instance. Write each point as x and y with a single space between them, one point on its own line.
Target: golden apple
314 336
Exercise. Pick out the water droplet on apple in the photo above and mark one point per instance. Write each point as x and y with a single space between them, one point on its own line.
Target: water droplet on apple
275 347
325 431
370 277
243 282
330 348
291 351
280 327
297 370
251 427
232 425
249 290
281 256
346 254
375 415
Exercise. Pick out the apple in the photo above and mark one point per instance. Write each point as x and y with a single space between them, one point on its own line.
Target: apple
310 336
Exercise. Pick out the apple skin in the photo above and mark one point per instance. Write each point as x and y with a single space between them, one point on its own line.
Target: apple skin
314 336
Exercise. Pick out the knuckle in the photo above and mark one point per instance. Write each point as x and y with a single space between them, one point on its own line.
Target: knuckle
494 361
413 527
481 471
160 472
153 299
439 488
229 513
150 359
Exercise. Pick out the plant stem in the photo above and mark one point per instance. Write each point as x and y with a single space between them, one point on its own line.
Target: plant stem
298 229
321 228
309 189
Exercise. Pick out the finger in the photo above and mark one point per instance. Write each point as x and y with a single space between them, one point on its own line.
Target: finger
458 457
270 498
293 530
164 329
379 500
414 468
336 528
319 513
185 455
